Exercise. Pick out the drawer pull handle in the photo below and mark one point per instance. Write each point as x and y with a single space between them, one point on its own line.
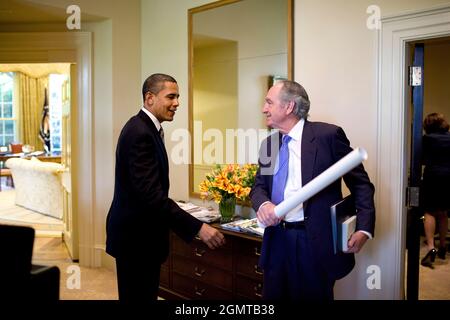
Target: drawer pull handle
199 273
199 292
199 253
257 252
258 290
257 270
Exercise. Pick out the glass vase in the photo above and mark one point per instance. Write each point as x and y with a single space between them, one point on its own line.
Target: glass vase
227 207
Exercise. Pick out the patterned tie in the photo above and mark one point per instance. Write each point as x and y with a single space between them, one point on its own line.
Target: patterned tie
161 134
280 176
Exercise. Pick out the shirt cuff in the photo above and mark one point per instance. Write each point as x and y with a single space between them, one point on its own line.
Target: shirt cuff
365 232
263 204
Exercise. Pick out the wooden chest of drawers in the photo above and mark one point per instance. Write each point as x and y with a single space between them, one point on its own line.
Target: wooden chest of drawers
193 271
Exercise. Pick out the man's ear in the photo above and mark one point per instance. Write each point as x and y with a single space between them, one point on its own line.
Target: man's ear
290 107
149 97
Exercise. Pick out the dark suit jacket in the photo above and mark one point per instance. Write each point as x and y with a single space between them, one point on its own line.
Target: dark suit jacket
322 145
436 175
436 151
141 212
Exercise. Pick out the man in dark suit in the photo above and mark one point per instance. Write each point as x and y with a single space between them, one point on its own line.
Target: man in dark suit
297 251
141 212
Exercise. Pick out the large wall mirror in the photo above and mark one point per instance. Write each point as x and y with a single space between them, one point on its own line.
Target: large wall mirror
236 49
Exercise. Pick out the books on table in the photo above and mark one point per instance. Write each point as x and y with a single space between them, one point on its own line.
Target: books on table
343 223
207 215
244 225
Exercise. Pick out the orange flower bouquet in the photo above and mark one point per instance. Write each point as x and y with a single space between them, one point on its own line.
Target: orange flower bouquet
227 183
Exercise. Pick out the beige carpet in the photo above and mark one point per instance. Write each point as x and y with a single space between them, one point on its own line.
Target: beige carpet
96 283
100 283
434 284
10 213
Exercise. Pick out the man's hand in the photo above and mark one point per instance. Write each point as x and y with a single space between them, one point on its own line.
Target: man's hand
211 236
356 242
266 215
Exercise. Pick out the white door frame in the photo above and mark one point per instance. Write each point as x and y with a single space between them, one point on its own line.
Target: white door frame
393 128
70 47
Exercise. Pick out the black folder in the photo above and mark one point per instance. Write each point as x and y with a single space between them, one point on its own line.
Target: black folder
343 222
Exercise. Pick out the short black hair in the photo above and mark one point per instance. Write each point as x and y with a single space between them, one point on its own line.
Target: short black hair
155 83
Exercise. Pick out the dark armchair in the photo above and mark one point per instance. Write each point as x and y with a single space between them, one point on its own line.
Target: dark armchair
19 278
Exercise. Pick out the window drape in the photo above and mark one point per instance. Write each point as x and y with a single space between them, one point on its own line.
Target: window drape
31 95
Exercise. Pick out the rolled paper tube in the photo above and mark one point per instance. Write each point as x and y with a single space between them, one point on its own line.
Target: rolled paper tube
322 181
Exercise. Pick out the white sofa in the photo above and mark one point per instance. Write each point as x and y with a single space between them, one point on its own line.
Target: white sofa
38 185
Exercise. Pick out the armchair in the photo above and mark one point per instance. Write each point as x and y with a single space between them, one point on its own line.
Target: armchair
19 278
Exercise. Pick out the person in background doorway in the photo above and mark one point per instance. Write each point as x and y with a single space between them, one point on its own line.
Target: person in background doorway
436 184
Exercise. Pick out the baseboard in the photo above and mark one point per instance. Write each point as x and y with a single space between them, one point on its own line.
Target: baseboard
107 261
48 234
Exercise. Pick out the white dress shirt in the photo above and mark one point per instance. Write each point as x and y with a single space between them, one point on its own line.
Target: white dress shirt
155 121
294 179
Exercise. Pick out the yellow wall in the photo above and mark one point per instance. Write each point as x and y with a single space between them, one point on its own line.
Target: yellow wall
437 79
215 86
215 96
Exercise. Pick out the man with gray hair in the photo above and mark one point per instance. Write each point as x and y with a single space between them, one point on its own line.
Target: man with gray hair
297 254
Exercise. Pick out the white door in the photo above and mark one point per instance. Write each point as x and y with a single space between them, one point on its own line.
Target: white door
70 233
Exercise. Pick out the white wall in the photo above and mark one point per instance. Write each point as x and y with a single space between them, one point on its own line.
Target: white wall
125 50
336 60
260 29
103 126
165 50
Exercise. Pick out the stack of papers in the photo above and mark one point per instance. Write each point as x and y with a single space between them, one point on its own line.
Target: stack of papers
36 153
207 215
245 225
347 228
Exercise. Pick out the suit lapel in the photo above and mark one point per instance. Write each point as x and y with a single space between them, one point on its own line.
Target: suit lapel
308 154
162 154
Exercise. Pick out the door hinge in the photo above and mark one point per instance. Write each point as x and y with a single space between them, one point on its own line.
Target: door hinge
412 196
415 76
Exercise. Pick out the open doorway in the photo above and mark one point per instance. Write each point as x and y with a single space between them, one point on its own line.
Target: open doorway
427 95
36 115
394 133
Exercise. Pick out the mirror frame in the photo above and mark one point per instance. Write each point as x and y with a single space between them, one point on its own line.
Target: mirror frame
290 68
